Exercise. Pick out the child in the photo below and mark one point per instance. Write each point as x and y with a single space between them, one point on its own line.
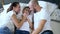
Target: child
25 28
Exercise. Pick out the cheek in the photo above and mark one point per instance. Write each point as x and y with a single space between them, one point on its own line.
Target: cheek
31 7
18 8
27 13
17 11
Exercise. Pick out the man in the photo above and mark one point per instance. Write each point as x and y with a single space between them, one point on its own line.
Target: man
41 20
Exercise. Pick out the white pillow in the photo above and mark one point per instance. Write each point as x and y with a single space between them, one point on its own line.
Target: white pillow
23 5
43 4
51 7
47 5
6 6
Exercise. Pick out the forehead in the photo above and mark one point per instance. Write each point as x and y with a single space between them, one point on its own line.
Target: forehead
27 8
18 5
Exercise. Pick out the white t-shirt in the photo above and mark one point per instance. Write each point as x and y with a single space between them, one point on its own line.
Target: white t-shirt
6 18
43 14
25 25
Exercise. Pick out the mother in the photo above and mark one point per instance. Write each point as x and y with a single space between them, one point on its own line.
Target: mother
11 16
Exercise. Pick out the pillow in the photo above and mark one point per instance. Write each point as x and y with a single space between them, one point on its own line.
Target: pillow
6 6
56 15
22 5
51 7
47 5
43 4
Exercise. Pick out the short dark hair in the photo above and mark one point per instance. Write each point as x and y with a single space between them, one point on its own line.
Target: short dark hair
25 8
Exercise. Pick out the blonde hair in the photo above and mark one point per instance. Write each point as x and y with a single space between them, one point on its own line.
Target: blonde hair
25 8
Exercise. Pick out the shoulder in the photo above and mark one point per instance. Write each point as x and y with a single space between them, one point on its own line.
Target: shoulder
10 13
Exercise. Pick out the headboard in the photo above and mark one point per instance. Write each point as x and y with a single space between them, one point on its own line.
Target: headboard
10 1
27 1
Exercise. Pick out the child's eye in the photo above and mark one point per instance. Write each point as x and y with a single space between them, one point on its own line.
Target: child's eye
27 10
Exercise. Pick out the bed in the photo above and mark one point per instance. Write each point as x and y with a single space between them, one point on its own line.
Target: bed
46 5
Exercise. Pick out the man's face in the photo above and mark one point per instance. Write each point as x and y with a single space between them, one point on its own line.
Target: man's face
34 5
31 6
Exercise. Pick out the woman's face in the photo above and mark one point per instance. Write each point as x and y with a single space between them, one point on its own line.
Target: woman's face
26 11
17 8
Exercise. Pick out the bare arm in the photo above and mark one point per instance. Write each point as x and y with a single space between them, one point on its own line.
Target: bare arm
30 23
40 27
16 22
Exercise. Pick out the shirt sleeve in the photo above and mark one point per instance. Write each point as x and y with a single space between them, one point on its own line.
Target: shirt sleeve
44 15
11 13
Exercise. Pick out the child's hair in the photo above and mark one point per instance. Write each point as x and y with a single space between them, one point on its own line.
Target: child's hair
14 4
25 8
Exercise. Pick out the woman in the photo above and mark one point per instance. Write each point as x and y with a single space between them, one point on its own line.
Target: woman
41 20
11 16
25 29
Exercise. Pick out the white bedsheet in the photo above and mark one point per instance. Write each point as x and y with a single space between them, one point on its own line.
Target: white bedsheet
48 7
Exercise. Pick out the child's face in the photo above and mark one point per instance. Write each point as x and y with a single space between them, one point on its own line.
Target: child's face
26 11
